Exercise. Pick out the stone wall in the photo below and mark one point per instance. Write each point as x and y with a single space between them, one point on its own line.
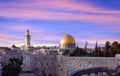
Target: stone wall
67 65
56 65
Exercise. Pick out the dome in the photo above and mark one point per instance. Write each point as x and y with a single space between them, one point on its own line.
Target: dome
67 39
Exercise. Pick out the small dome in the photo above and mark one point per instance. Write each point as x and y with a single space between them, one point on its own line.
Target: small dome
67 39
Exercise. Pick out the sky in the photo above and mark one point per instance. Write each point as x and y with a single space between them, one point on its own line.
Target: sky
49 20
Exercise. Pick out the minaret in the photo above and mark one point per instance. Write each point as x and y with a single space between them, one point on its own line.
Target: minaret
86 43
27 39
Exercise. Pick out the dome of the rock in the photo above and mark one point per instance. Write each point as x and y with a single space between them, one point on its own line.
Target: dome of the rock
67 41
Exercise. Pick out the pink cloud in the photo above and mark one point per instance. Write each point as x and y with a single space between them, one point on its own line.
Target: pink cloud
38 9
17 27
31 14
62 4
8 37
100 40
5 37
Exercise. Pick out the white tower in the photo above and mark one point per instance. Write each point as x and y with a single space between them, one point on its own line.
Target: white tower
27 39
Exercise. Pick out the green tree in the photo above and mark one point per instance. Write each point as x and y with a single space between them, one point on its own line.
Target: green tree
114 49
95 51
82 52
107 47
99 53
78 52
13 68
114 46
86 43
111 52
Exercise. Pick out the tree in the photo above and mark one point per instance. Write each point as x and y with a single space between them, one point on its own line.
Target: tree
95 51
78 52
107 47
86 46
114 49
13 68
111 50
99 53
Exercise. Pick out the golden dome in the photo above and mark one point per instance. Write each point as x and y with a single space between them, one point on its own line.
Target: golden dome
67 39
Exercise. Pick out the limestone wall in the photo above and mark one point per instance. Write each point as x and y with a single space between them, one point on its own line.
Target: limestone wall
69 64
56 65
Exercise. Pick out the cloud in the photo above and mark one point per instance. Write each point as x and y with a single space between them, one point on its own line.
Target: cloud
81 38
8 40
6 36
59 10
100 40
17 27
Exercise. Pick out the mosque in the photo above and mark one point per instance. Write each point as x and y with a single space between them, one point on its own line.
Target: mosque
67 42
